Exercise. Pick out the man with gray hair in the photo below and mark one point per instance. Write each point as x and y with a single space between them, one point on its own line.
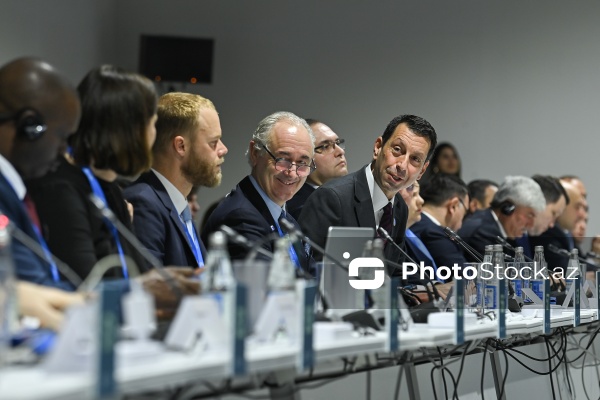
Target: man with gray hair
281 157
512 213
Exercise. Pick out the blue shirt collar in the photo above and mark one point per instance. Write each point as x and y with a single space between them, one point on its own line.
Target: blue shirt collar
273 207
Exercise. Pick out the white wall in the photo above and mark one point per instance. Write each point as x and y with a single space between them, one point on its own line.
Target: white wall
73 35
514 85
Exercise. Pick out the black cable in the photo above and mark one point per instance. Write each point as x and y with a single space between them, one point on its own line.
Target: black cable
460 371
483 369
505 374
442 372
583 375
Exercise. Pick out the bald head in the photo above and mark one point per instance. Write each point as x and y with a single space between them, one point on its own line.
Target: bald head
32 88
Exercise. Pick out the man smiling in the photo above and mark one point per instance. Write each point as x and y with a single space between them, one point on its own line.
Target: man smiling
369 197
281 156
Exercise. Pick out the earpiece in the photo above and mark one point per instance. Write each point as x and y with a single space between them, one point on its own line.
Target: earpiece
28 122
506 207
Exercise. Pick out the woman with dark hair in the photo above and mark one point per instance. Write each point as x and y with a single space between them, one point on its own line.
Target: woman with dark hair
444 160
114 137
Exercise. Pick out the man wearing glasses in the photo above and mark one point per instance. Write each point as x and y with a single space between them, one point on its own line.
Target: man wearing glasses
369 197
330 161
281 157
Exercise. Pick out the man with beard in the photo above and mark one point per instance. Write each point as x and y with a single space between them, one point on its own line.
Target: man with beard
188 152
280 154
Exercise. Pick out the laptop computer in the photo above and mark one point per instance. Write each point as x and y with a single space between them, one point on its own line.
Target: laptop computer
343 244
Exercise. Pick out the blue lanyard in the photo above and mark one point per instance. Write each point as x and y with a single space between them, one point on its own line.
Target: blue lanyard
291 250
113 230
53 267
195 245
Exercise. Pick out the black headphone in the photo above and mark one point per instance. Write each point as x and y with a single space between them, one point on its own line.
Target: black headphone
506 207
29 123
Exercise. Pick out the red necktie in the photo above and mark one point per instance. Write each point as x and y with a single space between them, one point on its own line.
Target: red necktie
33 215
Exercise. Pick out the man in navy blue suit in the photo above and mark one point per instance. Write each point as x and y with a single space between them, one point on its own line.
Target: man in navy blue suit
281 157
188 152
446 198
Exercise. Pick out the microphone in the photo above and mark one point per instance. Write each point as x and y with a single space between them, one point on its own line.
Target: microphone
291 228
458 240
567 253
508 246
387 236
38 250
242 241
133 240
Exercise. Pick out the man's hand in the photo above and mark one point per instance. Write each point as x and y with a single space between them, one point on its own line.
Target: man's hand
182 281
45 303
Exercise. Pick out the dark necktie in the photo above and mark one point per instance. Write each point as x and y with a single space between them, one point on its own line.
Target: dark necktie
386 221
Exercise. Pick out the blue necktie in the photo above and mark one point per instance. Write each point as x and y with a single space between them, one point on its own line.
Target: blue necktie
190 231
293 255
418 247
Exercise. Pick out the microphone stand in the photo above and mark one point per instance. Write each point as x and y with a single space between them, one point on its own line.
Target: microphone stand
508 246
458 240
133 240
386 235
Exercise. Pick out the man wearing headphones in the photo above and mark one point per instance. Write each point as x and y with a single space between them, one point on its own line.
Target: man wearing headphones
512 212
39 109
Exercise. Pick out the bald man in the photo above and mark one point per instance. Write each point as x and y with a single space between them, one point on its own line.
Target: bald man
39 109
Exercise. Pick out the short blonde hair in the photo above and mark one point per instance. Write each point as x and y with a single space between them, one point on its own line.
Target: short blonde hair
178 116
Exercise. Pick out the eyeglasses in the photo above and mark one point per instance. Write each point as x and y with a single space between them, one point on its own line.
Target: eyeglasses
329 147
281 164
463 203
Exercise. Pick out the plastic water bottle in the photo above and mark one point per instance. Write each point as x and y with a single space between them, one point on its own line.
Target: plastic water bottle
573 269
218 276
517 281
480 283
539 272
282 273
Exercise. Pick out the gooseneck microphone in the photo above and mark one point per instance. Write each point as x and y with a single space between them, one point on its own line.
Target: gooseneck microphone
387 237
459 241
242 241
291 228
508 246
139 247
38 250
567 253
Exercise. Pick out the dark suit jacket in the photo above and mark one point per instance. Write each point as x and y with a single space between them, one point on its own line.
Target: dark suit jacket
478 230
28 266
245 211
443 250
558 238
346 201
295 204
157 224
72 226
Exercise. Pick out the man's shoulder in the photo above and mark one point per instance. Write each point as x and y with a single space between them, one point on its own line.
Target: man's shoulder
343 183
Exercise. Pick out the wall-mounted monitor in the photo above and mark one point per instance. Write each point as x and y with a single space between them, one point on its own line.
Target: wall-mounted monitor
176 59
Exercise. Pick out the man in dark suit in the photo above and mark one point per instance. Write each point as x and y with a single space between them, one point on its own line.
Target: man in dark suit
559 234
369 197
513 211
446 198
281 156
330 161
188 152
39 109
